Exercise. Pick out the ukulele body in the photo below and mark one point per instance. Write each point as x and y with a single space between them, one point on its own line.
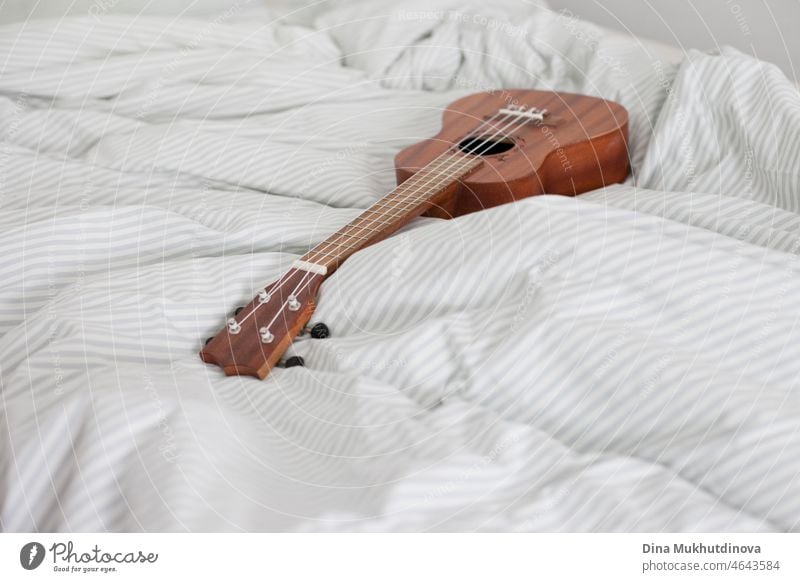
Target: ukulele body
580 145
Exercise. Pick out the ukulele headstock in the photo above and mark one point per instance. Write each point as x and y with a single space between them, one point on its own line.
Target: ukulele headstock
254 339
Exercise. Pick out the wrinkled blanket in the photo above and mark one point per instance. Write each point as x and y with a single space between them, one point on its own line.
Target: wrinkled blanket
622 361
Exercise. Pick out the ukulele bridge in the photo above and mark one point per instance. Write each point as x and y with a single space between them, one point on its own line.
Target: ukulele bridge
531 113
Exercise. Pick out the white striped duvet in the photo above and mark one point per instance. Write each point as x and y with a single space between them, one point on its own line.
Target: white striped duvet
622 361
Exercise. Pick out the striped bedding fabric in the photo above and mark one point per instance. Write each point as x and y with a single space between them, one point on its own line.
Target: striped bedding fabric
622 361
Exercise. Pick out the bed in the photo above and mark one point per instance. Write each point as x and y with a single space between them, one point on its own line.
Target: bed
621 361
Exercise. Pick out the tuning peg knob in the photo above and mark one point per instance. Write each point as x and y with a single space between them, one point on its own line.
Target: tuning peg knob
294 361
234 326
319 331
266 335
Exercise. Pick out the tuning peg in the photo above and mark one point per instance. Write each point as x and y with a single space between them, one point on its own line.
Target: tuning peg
318 331
294 361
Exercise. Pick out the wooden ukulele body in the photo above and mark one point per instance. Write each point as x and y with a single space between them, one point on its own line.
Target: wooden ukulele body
579 146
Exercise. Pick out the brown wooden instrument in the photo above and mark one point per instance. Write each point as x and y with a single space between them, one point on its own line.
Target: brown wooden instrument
493 148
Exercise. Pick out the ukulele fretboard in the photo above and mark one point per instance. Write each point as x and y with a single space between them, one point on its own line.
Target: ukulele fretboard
410 199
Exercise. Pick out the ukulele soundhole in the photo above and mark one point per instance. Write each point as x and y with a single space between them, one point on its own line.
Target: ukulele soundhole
485 145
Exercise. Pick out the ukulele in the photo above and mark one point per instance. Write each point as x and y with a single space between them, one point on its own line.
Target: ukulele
493 148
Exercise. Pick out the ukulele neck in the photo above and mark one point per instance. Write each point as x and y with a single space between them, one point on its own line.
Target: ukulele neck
428 187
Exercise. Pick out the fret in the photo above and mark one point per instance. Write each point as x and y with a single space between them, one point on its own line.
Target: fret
411 190
331 243
361 238
370 211
318 254
385 216
401 203
333 240
354 225
424 190
372 221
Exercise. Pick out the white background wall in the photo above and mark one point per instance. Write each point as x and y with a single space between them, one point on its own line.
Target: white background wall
770 29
